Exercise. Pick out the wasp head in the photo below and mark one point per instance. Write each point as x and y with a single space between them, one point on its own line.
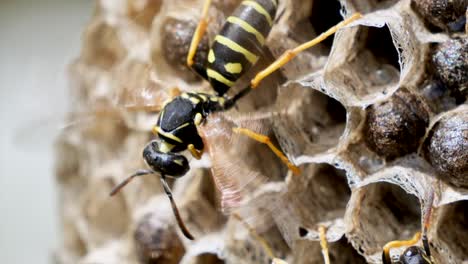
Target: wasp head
167 163
414 255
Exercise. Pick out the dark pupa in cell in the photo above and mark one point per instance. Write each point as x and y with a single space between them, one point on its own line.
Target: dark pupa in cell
443 14
450 62
157 241
176 38
446 149
394 127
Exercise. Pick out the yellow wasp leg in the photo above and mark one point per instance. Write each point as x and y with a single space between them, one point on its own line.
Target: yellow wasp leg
290 54
199 32
266 140
195 153
324 244
399 243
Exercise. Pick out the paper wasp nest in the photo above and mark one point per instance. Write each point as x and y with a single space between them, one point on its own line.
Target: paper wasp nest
375 118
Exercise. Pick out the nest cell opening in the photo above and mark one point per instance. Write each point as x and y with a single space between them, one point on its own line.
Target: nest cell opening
311 122
385 213
451 229
377 60
208 258
320 23
332 188
379 41
322 197
364 65
343 252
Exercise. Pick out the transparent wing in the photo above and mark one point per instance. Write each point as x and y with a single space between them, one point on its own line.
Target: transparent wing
239 164
128 103
141 93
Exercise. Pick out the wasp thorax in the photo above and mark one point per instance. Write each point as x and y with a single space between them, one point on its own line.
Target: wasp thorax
171 164
394 127
447 15
156 241
446 149
450 62
177 35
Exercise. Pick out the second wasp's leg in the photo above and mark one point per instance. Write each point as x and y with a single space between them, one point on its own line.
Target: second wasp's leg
324 244
266 140
290 54
199 32
398 243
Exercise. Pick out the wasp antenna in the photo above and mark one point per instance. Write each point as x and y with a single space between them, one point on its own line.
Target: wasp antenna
180 222
119 186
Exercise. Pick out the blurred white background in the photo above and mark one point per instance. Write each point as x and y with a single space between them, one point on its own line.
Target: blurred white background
38 39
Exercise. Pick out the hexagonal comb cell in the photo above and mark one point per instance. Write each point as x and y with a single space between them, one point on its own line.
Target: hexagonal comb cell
310 124
362 182
380 213
448 241
367 70
320 195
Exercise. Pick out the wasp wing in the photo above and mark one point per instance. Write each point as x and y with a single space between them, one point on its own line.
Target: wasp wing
239 164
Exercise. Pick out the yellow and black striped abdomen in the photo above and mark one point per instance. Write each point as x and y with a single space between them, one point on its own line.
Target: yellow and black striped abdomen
240 43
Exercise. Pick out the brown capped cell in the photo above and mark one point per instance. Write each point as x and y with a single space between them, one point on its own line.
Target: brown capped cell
446 148
394 127
177 36
156 241
450 62
444 14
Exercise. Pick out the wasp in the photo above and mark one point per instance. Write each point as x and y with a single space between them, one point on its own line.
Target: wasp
233 52
413 254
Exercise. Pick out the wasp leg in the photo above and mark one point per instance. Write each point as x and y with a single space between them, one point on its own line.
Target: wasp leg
199 32
290 54
266 140
195 152
398 243
324 244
